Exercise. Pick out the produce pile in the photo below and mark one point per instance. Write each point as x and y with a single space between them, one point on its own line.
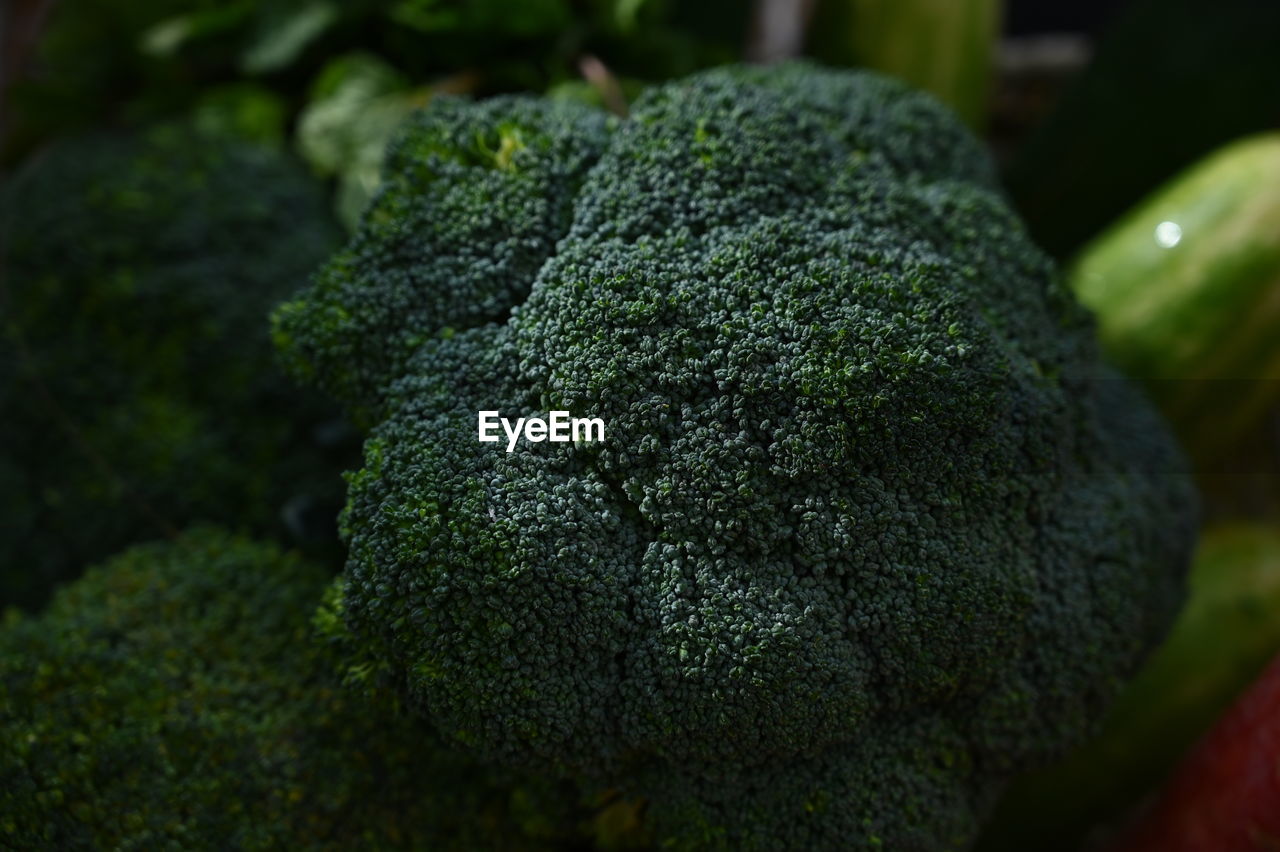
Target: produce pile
903 534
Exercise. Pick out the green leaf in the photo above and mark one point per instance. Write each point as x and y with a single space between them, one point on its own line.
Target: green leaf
625 13
280 40
357 103
166 38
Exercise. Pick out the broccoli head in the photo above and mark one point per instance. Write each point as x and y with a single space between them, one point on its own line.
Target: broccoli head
137 376
177 697
872 527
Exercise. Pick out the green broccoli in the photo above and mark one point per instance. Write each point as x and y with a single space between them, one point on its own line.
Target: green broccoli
872 528
176 697
137 378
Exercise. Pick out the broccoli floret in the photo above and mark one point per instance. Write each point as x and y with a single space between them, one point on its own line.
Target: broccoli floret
476 195
137 377
872 529
176 697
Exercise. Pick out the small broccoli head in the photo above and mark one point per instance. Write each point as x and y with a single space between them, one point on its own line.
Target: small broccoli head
177 697
872 527
137 375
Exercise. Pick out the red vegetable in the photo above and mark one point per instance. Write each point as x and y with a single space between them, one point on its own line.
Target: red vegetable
1225 797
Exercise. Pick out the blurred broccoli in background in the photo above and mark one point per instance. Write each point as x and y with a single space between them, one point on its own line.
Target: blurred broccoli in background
137 379
177 697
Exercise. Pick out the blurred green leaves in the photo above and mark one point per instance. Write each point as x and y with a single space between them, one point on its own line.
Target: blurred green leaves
279 40
131 62
625 12
241 110
166 37
356 105
528 18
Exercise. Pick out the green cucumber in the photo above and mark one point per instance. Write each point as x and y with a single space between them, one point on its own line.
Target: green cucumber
944 47
1187 292
1225 635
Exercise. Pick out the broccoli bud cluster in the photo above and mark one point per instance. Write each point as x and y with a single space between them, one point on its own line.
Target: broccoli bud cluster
874 527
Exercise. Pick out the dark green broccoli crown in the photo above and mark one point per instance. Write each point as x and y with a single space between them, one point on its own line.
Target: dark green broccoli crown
872 527
175 697
137 375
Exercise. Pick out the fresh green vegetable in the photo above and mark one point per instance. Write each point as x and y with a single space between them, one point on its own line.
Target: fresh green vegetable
137 379
176 698
871 529
945 47
1187 291
1226 633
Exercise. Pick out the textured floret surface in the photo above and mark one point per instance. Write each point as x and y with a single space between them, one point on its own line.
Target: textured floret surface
872 526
